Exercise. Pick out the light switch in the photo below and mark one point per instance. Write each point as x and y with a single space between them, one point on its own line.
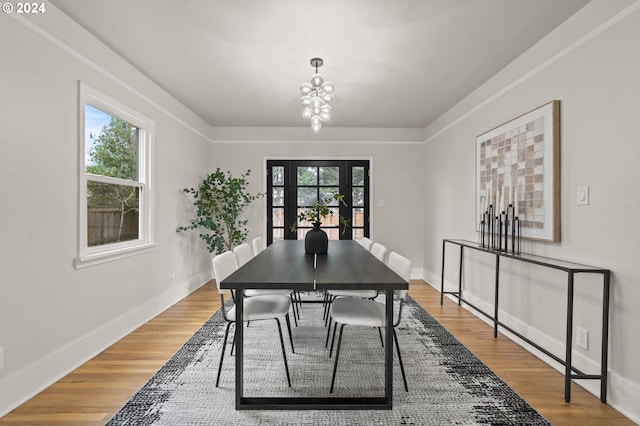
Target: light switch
382 203
583 195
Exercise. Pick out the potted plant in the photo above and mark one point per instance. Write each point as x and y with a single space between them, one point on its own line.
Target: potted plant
316 240
220 200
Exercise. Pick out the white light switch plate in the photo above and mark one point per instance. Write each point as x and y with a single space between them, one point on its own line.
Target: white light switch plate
583 195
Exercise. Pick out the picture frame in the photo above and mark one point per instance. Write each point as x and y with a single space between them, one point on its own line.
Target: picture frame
518 164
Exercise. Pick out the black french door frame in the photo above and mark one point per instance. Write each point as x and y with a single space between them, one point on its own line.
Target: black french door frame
288 187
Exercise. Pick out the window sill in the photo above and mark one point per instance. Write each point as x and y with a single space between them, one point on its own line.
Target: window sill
111 255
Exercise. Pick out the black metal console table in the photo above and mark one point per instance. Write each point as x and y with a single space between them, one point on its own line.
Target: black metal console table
571 269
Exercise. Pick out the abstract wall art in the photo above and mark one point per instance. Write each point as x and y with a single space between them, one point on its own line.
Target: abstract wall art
518 165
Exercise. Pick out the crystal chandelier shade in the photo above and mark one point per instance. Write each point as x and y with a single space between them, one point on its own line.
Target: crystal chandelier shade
316 97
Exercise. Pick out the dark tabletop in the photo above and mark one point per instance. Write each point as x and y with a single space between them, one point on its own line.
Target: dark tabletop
284 264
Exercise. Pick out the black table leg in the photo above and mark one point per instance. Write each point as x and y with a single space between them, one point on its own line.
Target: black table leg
460 277
239 347
605 338
495 302
444 243
569 339
388 350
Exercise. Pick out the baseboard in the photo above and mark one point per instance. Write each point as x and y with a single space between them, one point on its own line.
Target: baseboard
31 380
621 393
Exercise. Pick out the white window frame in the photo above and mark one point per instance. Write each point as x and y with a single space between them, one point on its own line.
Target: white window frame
88 256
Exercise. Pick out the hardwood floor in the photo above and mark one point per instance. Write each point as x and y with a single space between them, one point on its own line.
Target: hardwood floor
91 394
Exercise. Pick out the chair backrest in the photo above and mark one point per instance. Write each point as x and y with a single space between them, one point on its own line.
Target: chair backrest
243 254
401 266
258 245
224 265
366 243
379 251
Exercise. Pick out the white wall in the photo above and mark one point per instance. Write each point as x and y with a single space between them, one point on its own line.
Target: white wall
52 316
591 64
395 168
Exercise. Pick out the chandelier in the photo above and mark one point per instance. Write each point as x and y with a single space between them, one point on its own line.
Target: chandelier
316 97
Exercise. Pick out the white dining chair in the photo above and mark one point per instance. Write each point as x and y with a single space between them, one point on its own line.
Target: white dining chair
243 254
258 245
369 313
379 251
272 306
366 243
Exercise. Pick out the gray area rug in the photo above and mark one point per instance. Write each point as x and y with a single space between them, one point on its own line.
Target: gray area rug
448 385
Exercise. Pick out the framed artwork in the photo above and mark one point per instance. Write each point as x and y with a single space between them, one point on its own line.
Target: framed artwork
518 164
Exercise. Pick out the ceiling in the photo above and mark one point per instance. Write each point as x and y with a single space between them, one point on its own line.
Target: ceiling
394 63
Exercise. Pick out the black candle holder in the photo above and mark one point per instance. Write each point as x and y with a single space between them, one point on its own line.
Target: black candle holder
500 230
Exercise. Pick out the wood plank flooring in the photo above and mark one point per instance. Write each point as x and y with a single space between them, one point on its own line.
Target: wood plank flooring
91 394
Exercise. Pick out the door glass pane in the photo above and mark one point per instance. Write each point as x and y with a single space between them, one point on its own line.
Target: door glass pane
333 233
357 196
357 176
307 175
278 234
332 219
303 223
278 217
329 175
358 217
277 174
357 234
307 196
278 196
328 193
301 233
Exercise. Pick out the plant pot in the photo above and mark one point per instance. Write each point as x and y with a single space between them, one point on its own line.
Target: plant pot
316 240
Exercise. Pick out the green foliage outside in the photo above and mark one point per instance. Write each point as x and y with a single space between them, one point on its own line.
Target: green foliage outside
114 151
114 154
313 175
220 200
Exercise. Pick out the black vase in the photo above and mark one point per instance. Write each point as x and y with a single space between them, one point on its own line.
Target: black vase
316 240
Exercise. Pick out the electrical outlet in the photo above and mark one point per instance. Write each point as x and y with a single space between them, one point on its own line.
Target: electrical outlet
1 358
582 338
172 278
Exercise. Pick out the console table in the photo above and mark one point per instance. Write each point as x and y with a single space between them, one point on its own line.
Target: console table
571 269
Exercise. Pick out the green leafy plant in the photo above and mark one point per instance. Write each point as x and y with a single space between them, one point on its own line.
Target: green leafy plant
319 210
220 200
113 153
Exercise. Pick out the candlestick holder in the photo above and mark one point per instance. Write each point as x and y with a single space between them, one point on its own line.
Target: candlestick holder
515 236
500 230
487 226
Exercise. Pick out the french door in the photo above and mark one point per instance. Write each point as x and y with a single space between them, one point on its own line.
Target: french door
294 185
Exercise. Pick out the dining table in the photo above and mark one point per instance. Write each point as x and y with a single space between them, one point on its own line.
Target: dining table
285 265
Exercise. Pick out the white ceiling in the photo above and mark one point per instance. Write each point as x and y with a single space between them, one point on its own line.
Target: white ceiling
394 63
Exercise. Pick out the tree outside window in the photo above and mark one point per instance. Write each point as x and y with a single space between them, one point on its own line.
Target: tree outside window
113 207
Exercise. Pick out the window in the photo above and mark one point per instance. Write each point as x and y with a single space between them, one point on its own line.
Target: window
295 185
115 180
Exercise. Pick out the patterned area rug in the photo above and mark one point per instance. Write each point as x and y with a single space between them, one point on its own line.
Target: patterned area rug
447 383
